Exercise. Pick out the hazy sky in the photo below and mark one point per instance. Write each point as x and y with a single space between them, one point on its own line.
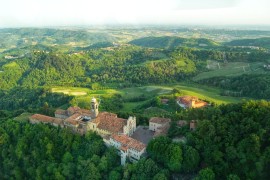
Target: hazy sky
15 13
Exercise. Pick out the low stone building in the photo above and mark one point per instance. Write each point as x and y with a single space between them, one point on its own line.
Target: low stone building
159 125
39 118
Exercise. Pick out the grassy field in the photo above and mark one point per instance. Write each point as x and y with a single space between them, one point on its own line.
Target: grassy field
84 95
230 69
207 93
23 117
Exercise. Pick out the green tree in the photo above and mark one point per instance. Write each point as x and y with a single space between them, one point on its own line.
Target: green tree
206 174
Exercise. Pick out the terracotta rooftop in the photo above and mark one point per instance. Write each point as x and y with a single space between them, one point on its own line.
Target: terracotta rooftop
42 118
73 109
160 120
58 121
61 112
128 142
186 100
110 122
73 119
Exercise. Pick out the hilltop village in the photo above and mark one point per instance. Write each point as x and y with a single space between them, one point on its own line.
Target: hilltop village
123 134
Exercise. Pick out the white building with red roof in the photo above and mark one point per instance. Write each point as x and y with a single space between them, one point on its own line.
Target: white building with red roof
128 148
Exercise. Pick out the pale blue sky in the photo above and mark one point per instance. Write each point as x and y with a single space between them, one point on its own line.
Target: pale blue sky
14 13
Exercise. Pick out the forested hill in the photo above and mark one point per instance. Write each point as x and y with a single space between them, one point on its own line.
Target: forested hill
260 42
30 36
128 65
124 64
249 85
172 42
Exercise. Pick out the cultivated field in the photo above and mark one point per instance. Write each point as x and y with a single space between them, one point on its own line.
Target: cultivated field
229 69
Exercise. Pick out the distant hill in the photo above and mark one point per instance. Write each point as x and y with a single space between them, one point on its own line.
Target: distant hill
260 42
14 38
95 46
172 41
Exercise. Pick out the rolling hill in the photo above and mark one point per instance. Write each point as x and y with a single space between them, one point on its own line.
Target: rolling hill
260 42
14 38
169 42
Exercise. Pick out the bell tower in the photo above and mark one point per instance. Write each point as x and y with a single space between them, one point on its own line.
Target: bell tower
94 107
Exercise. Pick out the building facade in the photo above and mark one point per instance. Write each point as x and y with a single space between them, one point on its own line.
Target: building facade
128 148
159 125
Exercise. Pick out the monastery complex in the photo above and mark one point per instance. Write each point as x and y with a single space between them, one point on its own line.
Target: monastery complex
115 131
123 134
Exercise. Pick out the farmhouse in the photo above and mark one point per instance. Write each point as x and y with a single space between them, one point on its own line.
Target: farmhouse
190 102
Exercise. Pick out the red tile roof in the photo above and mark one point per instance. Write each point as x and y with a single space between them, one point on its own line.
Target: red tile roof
46 119
42 118
160 120
61 112
73 119
58 121
74 109
110 122
128 142
186 100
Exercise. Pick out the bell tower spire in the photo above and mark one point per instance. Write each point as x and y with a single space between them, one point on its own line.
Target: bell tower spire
94 107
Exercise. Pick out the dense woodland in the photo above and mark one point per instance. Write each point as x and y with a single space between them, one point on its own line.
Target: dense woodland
225 135
256 86
125 65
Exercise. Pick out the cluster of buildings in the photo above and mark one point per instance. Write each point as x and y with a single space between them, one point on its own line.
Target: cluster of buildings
190 102
115 131
123 134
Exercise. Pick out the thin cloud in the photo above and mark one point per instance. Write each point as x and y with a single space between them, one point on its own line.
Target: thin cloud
203 4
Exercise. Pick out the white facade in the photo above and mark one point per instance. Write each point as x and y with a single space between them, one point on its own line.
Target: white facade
126 151
154 126
130 128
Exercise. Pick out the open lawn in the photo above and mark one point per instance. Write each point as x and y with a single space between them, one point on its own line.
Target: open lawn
207 93
73 91
230 69
23 117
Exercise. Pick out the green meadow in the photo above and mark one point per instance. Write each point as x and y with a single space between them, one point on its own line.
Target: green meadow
84 95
